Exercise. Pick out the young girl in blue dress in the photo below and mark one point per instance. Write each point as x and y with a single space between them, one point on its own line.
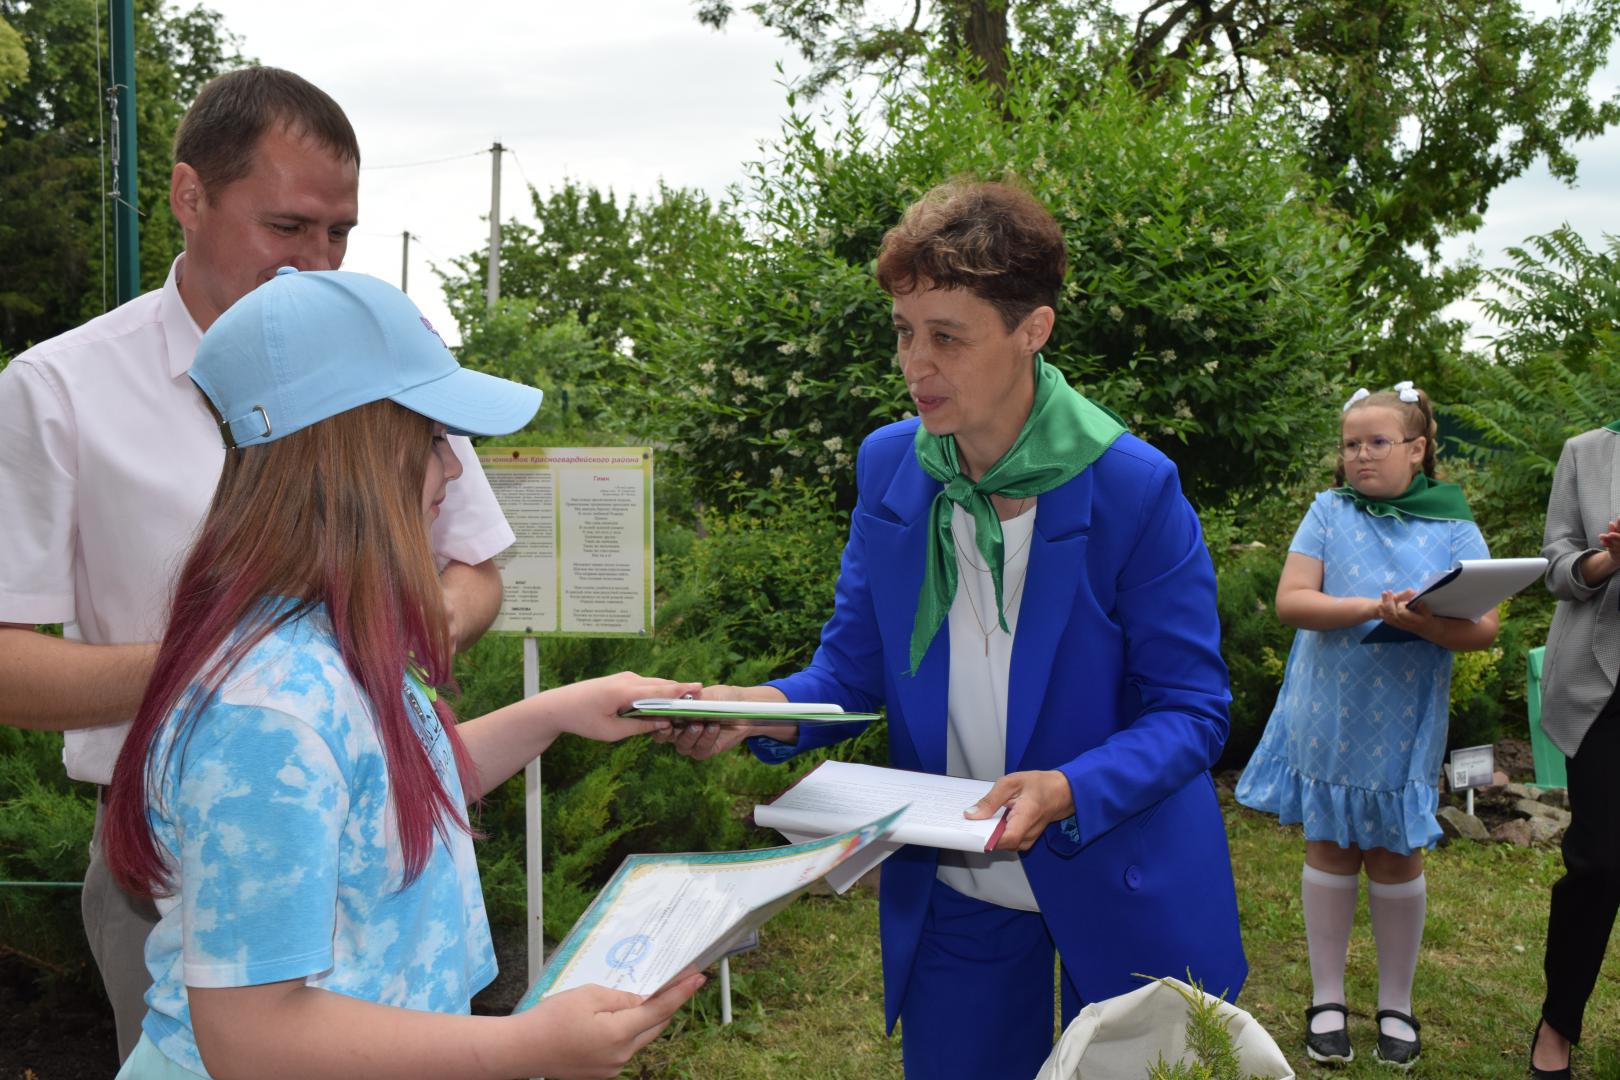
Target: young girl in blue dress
293 791
1353 749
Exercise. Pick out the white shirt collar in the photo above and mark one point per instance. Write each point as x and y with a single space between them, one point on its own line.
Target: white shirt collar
181 333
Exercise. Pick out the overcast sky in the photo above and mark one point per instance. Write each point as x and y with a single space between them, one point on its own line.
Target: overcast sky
616 93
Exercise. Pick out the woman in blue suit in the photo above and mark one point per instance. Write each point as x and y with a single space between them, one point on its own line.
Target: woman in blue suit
1027 592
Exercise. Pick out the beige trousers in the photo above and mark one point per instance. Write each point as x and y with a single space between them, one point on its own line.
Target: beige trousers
116 924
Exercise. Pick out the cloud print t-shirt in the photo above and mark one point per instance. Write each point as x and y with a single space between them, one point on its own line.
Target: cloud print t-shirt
276 812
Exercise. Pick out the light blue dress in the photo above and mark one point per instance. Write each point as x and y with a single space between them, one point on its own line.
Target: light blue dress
1354 747
277 814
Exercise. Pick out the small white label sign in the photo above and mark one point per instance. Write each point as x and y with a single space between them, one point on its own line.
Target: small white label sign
1472 767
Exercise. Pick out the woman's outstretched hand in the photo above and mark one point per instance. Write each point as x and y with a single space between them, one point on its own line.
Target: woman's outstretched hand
1034 800
702 741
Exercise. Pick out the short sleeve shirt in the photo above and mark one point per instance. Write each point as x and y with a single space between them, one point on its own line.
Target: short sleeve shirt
277 813
109 457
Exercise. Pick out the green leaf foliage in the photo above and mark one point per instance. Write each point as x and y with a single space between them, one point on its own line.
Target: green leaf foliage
1253 639
51 177
45 826
13 60
1550 373
1207 300
1210 1054
741 603
1414 113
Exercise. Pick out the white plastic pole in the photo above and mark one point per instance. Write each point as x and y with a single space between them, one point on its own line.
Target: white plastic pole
725 989
531 819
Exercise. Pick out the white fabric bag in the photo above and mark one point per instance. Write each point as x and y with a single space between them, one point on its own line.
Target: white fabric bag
1123 1037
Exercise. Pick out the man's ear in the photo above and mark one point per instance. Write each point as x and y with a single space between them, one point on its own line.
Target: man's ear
185 195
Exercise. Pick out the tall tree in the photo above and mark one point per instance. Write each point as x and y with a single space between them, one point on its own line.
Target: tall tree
52 127
843 39
13 60
1414 113
588 258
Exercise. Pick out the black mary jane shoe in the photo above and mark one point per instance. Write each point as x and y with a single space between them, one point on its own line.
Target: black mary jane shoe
1329 1047
1544 1074
1397 1053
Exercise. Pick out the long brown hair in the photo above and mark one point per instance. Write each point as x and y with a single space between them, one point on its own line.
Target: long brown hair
330 515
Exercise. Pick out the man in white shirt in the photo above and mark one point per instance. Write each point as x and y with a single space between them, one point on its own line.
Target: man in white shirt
109 455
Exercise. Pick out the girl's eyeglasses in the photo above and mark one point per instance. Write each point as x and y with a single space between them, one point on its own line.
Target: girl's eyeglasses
1377 447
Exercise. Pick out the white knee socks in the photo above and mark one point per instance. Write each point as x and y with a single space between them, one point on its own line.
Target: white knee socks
1397 923
1330 907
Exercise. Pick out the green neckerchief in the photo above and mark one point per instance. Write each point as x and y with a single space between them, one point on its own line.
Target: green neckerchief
1425 498
418 674
1064 434
1614 426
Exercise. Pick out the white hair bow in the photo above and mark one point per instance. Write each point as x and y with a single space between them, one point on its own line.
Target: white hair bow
1407 392
1358 395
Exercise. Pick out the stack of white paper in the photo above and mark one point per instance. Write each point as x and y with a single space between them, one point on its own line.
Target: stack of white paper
837 793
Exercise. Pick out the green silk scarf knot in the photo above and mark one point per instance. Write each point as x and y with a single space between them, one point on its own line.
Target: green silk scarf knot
1064 434
1424 498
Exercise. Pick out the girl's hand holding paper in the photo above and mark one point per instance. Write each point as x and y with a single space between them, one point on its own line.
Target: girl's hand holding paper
592 1031
591 708
1393 608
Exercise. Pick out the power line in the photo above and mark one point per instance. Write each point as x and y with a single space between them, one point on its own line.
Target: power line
521 170
416 238
429 161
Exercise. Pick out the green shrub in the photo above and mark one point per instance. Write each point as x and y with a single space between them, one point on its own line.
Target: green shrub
45 826
580 375
1549 374
1207 300
741 603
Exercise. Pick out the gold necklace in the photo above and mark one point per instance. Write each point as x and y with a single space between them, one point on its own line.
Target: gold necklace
961 550
1012 598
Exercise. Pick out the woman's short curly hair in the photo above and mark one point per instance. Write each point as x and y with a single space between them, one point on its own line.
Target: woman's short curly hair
993 239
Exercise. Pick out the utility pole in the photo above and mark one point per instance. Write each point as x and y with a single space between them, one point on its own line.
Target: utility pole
405 262
121 102
492 288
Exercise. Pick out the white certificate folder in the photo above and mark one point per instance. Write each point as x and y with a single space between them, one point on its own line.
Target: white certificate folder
661 916
1466 591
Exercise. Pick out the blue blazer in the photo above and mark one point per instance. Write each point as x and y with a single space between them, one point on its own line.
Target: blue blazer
1117 681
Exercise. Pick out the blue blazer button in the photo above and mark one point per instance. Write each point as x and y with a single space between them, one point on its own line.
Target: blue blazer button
1133 878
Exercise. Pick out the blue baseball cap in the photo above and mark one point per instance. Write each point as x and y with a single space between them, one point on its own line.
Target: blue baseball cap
303 347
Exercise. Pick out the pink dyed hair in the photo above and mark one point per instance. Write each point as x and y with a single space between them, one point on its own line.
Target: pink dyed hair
329 515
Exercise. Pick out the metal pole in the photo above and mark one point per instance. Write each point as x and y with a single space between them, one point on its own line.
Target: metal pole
493 287
121 95
531 818
405 262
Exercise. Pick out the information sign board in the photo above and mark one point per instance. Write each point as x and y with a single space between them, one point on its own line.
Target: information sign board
582 565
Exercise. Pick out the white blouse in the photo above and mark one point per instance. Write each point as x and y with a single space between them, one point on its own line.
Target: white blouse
976 701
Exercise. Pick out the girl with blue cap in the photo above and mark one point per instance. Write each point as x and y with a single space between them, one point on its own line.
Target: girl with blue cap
293 791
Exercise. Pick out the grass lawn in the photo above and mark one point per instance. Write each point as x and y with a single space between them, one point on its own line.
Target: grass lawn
808 1003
